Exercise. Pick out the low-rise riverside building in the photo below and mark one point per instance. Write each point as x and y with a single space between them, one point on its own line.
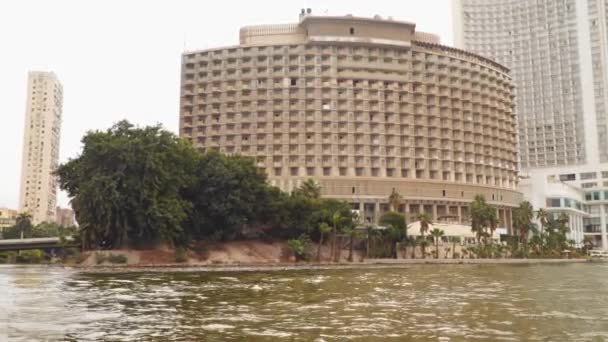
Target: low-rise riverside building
7 218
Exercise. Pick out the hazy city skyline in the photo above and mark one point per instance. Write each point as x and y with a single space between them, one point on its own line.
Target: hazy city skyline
112 69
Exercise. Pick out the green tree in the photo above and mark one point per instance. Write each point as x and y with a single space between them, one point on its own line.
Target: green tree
352 234
522 220
394 199
395 220
126 185
324 228
425 222
437 234
412 242
492 219
480 216
229 193
299 247
542 216
423 243
336 221
22 229
309 188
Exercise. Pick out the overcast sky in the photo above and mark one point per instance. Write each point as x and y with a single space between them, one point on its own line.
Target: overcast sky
121 59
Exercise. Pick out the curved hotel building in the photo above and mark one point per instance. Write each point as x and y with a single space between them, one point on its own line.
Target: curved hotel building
364 106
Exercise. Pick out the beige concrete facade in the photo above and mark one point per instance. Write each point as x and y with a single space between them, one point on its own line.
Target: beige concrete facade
65 217
364 106
38 189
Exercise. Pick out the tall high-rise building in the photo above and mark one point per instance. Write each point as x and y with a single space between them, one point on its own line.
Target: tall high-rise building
363 105
38 192
557 51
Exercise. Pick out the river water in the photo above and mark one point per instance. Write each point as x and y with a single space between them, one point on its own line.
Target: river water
567 302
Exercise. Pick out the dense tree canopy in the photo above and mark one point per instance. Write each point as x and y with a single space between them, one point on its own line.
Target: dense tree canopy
138 186
126 185
229 192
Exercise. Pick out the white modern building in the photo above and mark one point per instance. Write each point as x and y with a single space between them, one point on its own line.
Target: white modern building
38 189
557 51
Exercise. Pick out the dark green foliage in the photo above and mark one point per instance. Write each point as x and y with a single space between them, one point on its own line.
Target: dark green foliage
44 229
181 254
126 185
100 258
139 186
397 222
34 256
229 192
8 257
299 247
309 188
23 228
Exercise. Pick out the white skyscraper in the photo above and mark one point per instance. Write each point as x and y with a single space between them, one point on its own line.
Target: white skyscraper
558 54
38 191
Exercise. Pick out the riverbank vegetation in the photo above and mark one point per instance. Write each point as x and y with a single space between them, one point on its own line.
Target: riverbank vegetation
23 228
134 187
137 187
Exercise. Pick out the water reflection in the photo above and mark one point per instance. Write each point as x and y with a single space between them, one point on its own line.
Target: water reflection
426 302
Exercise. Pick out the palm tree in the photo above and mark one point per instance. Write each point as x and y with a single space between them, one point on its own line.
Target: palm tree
425 222
543 217
437 234
423 244
523 216
336 220
352 233
23 222
324 228
492 219
413 242
479 216
394 199
310 188
563 219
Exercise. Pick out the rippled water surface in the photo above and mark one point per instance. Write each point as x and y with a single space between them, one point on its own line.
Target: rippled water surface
427 302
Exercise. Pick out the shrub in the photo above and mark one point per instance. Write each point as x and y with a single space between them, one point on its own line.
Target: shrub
34 256
8 257
299 247
117 259
100 258
71 254
201 250
181 255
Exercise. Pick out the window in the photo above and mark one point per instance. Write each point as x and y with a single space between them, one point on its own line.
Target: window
588 185
588 175
567 177
553 202
352 30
